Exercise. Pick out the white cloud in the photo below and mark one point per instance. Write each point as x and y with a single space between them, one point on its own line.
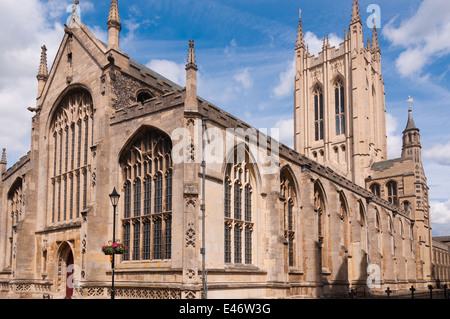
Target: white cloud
25 29
229 49
244 78
438 153
286 82
100 33
394 141
423 36
286 127
440 217
315 44
170 69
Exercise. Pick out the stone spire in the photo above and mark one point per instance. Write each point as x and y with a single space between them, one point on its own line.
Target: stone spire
3 162
191 56
411 138
42 75
300 37
356 16
410 126
114 25
191 101
375 42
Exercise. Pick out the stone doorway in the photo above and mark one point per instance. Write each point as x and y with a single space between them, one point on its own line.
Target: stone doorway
65 271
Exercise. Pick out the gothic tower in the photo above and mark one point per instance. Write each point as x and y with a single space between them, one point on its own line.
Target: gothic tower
340 118
411 140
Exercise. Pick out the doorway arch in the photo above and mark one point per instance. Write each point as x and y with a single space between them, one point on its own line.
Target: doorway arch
66 271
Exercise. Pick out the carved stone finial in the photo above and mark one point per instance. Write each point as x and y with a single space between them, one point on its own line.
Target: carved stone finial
300 37
3 161
43 70
191 61
114 17
356 15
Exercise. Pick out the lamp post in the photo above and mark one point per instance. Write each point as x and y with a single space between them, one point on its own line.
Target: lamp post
114 196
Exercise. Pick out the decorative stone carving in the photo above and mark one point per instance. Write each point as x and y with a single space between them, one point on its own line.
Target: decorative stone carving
190 235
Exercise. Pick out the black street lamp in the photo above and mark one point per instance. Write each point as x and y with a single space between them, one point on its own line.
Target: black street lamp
114 196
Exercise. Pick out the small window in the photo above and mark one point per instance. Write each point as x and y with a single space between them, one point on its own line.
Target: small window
392 193
375 189
143 96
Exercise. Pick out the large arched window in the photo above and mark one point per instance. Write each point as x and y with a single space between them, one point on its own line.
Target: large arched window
238 195
15 204
147 173
71 136
319 204
343 213
318 114
392 192
339 103
288 198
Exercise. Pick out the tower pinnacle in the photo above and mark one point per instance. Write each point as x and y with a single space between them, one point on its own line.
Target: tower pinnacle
375 42
3 162
191 56
42 75
300 37
43 70
114 25
356 16
191 102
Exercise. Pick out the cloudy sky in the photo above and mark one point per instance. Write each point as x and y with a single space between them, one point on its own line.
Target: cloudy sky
245 54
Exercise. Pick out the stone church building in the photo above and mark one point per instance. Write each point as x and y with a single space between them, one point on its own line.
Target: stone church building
332 214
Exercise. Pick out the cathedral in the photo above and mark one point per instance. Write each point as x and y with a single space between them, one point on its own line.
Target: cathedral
332 215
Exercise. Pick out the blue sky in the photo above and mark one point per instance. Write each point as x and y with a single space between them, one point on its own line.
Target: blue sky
245 53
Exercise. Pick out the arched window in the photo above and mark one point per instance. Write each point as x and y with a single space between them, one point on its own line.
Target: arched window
15 204
344 217
288 197
318 114
375 189
147 229
319 204
392 192
362 222
238 230
406 205
339 103
143 96
71 129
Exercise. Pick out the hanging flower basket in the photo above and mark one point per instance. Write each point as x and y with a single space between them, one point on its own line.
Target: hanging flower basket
114 249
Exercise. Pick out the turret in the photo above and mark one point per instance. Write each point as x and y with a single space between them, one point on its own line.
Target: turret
411 138
114 26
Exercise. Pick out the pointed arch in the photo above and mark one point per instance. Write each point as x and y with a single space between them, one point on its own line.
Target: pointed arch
70 130
320 205
240 179
289 212
287 172
345 217
319 190
146 162
249 157
67 92
319 111
65 266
